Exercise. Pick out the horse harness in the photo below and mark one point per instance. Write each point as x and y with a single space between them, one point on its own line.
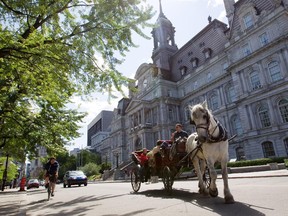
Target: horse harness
223 136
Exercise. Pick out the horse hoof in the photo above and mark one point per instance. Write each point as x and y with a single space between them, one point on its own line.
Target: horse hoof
229 200
213 193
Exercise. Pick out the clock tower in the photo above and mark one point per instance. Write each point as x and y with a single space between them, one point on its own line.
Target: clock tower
164 41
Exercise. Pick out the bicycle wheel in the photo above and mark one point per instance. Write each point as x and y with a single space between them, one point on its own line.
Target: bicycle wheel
49 191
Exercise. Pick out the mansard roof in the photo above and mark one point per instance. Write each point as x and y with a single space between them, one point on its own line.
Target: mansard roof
259 8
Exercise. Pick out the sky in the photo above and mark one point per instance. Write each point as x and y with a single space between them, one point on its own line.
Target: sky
187 16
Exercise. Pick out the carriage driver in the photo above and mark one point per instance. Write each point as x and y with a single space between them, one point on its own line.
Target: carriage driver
178 133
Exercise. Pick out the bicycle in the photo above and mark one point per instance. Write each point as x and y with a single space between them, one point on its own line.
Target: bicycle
51 183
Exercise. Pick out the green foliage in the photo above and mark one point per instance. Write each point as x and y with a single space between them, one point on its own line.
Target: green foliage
261 161
11 169
51 51
90 169
286 162
105 166
85 156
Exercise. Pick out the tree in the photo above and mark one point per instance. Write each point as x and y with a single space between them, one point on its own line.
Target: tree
11 169
90 169
49 52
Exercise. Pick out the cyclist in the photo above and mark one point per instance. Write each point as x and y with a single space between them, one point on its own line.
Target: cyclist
51 169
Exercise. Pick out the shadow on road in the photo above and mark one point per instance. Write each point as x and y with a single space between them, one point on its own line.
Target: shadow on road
208 203
75 206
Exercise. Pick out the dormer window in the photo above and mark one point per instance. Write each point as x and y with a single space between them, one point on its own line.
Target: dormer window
183 70
207 53
194 62
248 20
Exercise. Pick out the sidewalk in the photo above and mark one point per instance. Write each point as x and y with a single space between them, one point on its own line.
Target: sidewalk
12 202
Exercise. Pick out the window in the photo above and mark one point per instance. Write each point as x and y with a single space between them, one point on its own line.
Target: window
263 113
246 50
286 145
207 53
225 66
170 114
236 125
274 71
214 102
231 95
248 20
283 107
194 62
255 80
240 154
195 85
268 149
209 76
187 112
183 70
264 39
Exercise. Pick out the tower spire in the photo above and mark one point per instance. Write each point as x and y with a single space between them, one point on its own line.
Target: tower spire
161 14
160 6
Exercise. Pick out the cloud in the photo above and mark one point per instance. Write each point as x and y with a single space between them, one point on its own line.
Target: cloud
222 16
215 3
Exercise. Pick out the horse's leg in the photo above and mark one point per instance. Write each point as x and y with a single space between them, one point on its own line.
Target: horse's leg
202 189
203 169
213 191
227 194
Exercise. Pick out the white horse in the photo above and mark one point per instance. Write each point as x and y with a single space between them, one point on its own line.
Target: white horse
214 144
198 160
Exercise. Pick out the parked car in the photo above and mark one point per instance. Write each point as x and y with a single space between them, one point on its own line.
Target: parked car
33 183
74 177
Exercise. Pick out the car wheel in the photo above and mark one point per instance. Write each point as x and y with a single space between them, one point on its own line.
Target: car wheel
85 184
69 185
64 185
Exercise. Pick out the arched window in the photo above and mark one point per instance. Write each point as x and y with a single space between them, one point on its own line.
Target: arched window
240 154
236 125
255 80
268 149
214 101
230 93
187 113
274 71
263 113
286 144
283 108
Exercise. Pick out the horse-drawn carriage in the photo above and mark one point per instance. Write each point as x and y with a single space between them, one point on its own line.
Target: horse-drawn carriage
208 144
167 164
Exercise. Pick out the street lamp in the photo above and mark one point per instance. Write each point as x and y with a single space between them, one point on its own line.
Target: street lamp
116 154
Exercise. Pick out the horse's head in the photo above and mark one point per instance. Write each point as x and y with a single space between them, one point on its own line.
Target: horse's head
200 117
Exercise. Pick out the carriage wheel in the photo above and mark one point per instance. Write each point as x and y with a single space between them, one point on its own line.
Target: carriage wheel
168 179
207 178
135 179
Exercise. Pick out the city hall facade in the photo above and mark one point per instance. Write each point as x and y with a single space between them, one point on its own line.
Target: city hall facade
240 69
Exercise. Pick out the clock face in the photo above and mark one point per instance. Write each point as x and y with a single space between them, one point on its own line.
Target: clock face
145 83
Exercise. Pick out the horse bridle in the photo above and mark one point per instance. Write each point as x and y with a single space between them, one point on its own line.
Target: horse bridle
206 127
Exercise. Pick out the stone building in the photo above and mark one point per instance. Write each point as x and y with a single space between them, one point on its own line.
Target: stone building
241 70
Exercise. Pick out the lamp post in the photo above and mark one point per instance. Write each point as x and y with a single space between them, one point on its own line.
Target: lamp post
116 154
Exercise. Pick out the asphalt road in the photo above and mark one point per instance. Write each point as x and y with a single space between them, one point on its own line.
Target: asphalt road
253 196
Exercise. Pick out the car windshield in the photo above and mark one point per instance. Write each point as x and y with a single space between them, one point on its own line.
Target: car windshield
76 173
